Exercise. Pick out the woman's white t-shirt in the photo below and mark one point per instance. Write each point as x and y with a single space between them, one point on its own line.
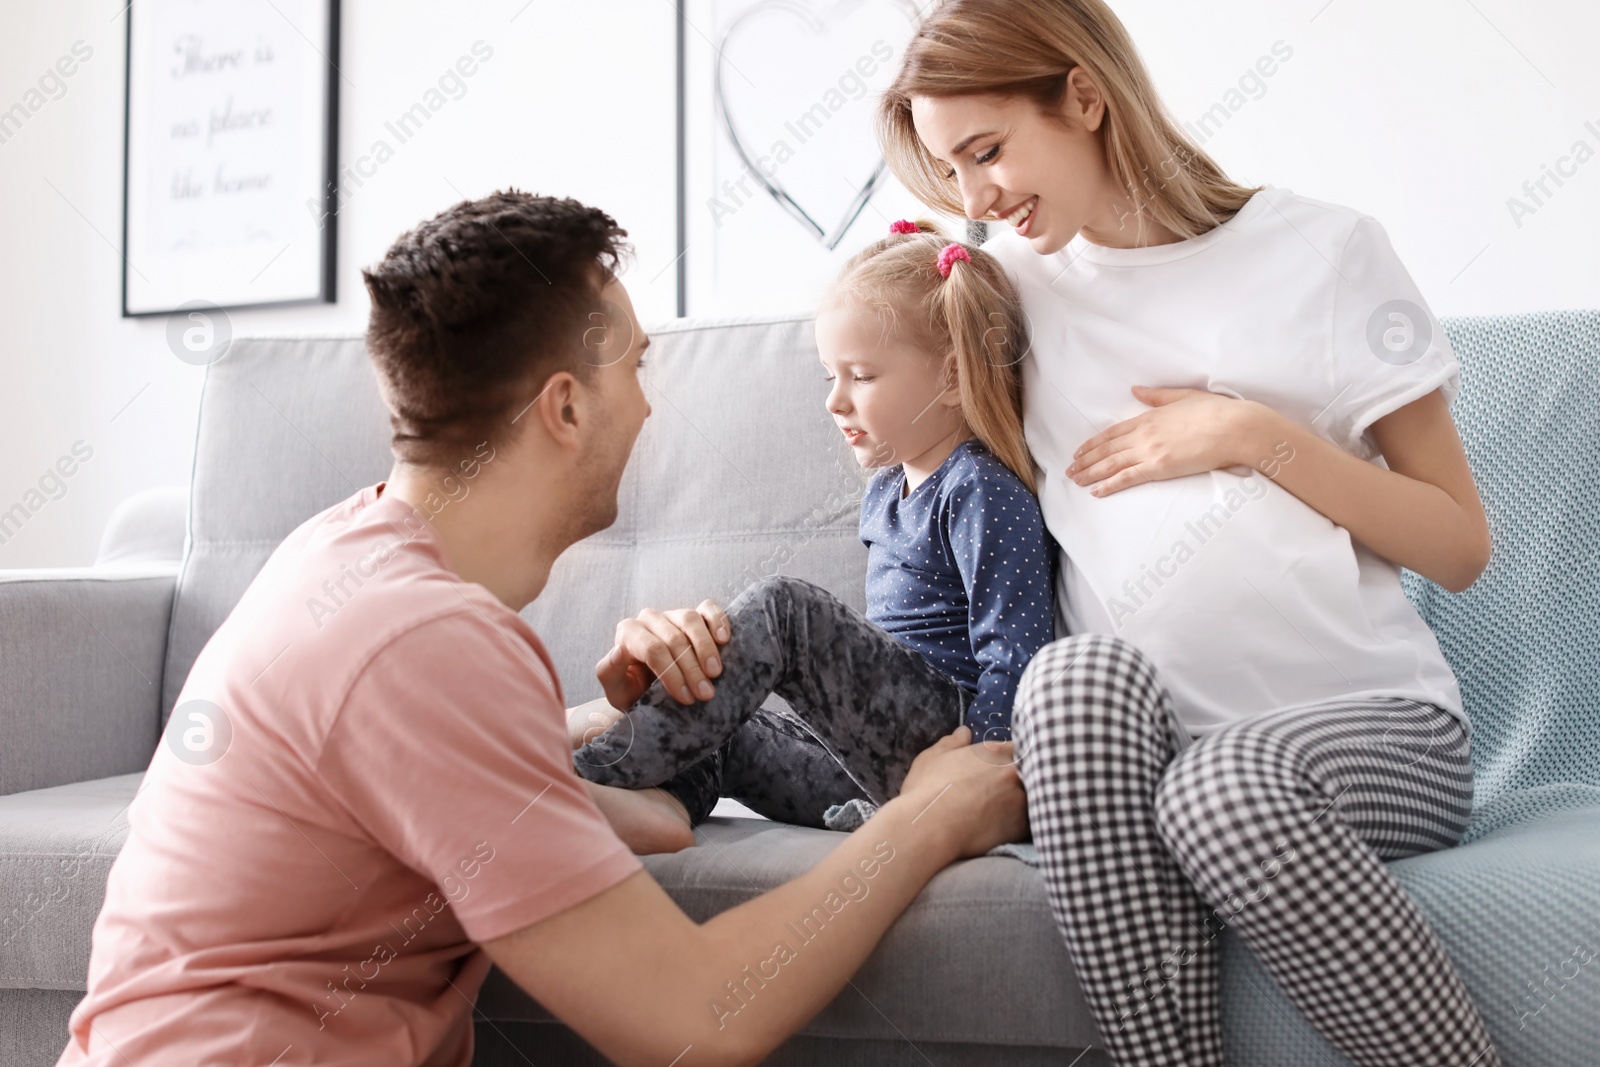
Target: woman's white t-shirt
1247 599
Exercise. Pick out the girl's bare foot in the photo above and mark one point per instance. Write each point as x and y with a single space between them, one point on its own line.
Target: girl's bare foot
647 820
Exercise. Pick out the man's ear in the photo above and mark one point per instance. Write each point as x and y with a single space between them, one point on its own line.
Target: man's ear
560 409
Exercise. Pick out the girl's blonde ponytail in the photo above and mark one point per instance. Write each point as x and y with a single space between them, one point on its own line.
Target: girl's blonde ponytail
988 340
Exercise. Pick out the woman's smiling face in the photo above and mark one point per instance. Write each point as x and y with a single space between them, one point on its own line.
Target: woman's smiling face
1048 179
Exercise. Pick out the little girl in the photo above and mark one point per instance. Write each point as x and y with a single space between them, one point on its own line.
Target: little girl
921 339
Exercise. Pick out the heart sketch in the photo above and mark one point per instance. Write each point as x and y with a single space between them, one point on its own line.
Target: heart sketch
759 30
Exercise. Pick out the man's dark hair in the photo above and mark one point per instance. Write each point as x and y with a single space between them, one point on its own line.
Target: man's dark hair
475 309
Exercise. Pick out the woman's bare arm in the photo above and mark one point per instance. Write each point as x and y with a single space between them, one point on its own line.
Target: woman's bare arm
1423 513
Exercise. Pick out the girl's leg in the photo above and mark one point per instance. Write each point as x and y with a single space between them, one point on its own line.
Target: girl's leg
772 766
1282 822
868 699
1094 730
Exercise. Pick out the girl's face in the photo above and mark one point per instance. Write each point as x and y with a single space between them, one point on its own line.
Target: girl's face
1012 163
887 396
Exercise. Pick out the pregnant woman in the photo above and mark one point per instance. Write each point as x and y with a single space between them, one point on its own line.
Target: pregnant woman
1240 404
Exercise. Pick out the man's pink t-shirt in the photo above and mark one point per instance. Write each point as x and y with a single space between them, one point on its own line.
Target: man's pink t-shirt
394 784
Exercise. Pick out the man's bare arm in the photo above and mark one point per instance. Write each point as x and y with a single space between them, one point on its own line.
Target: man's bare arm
589 720
646 985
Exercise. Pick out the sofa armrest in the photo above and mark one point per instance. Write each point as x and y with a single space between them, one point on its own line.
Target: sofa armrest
81 654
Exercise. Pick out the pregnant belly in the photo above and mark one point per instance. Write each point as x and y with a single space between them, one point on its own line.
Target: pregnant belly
1246 598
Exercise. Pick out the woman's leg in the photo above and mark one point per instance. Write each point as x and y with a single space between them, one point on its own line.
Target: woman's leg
869 700
1282 822
1279 821
1094 730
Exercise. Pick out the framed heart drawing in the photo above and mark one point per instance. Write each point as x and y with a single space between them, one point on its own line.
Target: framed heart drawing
781 179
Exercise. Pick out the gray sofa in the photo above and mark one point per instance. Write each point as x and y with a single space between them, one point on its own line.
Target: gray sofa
738 473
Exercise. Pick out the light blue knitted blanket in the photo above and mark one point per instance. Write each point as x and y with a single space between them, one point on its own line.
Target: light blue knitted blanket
1517 904
1524 640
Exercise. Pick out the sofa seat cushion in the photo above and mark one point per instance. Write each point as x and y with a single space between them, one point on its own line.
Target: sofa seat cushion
976 958
56 848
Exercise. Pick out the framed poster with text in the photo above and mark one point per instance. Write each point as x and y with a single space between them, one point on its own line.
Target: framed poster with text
230 153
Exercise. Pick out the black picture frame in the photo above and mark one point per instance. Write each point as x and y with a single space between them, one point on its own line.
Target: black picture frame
325 254
681 175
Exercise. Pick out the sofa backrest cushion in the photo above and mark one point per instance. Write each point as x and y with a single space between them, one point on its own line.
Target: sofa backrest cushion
739 472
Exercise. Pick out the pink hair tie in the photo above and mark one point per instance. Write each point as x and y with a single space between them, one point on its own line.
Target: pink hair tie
949 254
903 226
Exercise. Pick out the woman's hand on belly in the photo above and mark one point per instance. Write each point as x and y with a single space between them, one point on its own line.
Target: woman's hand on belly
1186 431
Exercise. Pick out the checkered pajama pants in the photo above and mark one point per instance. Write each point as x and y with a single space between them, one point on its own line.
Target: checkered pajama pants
1277 826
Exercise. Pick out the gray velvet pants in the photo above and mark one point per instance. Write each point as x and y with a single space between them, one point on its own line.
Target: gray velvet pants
861 706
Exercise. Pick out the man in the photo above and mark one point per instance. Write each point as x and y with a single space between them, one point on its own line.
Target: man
392 804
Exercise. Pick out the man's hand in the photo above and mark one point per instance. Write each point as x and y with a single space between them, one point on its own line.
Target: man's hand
679 647
973 790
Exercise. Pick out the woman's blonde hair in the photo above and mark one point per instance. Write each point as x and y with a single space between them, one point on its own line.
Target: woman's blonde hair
1026 48
973 319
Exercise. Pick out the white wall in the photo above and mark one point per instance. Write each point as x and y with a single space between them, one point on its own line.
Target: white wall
577 101
1428 114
